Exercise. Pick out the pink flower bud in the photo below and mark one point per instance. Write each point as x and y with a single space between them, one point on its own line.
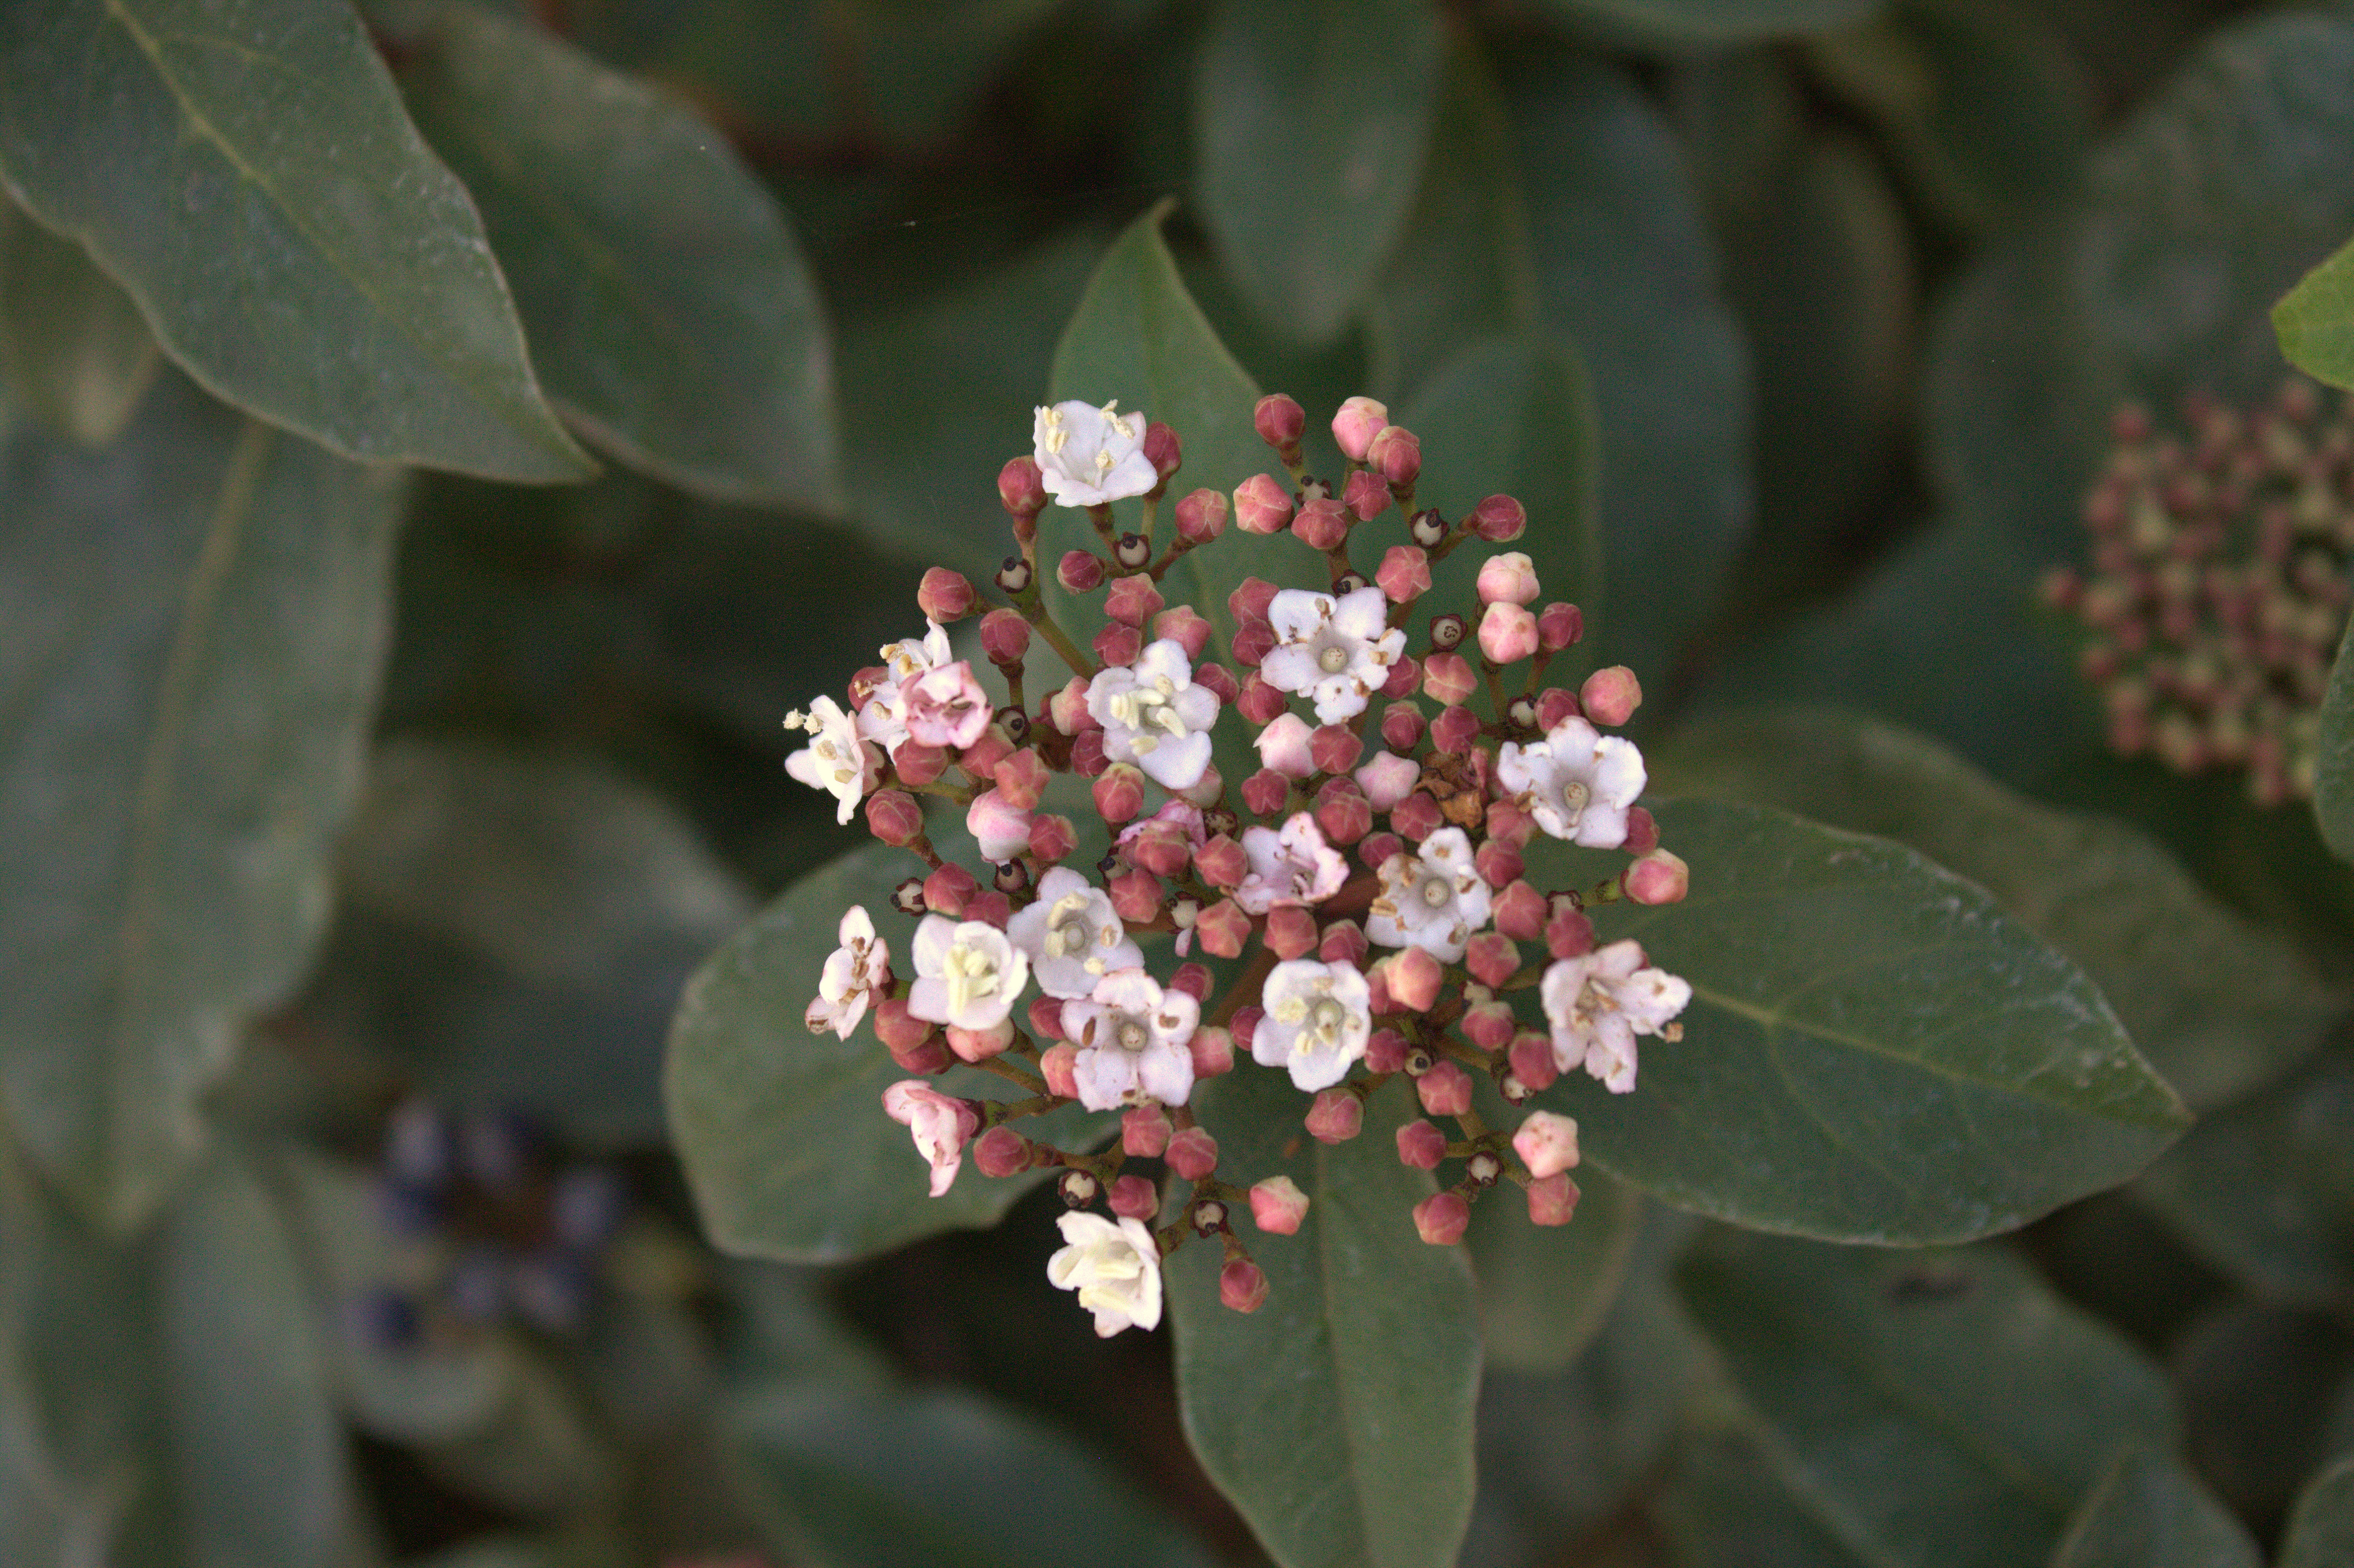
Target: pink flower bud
1610 697
1193 1154
1559 626
1388 780
1133 599
1498 863
1185 629
1546 1143
1201 516
981 1044
1490 1026
1335 1116
1364 497
1261 506
1260 703
982 757
1491 958
1222 928
900 1031
1449 678
1385 1052
1193 980
1355 426
1521 912
1004 637
1134 1197
894 818
1144 1132
1290 931
1569 933
1000 1151
1045 1015
1250 599
1322 524
1455 730
1414 978
945 595
1343 943
1220 860
1508 579
1499 520
1022 777
916 763
1080 571
1442 1218
1342 811
1555 704
1245 1024
1278 1205
1135 896
1659 877
1417 817
1162 450
1118 643
1021 488
1553 1201
1067 708
1241 1286
1508 825
1508 633
1001 828
1402 726
1265 791
1217 678
1421 1145
1207 790
1052 838
1087 759
949 889
1334 748
1406 677
1280 421
1253 641
1530 1055
991 907
1119 793
1395 452
1642 831
1287 746
1445 1090
1405 573
1213 1050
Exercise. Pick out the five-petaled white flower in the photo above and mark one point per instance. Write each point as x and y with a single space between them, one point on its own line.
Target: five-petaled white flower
941 1125
1089 456
1433 900
1599 1002
1337 651
1576 782
835 759
1071 936
1132 1038
967 973
852 972
883 716
1293 866
1116 1269
1154 715
1319 1018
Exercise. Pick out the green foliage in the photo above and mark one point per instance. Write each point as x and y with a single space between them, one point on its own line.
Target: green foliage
2333 785
2321 1535
1686 22
73 347
2147 1512
1545 1291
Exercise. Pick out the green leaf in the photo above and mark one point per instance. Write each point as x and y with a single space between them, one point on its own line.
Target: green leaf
1868 1371
1875 1051
194 628
2321 1531
841 1479
2316 321
2216 1002
2333 775
542 1454
1725 1508
247 174
1686 22
1545 1291
1365 1456
73 347
1310 125
2148 1512
782 1131
673 318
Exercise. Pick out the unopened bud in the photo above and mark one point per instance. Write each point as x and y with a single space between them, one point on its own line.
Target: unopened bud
1052 837
1508 633
1417 817
1022 487
1559 626
1261 506
1344 942
1555 706
1222 928
981 1044
1336 1115
1253 641
1658 878
1364 497
1080 571
1448 677
1290 931
1000 1151
1455 730
1491 958
1553 1201
1322 526
1118 643
900 1030
916 763
1241 1286
1280 421
1508 579
1497 862
1162 450
1265 791
1395 454
1260 703
949 889
1144 1132
1402 726
1546 1143
1134 1197
1119 793
1530 1055
1334 748
1387 1050
1221 862
1610 697
1388 780
1213 1050
1489 1025
1066 710
1569 933
1201 516
1181 625
1414 979
1135 896
1446 1088
1193 1154
1421 1145
945 595
1004 637
1342 811
1278 1205
1642 831
1500 519
1360 420
1441 1218
1059 1064
894 818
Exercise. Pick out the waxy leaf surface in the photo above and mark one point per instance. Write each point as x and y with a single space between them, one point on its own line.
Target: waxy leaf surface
2149 1512
72 347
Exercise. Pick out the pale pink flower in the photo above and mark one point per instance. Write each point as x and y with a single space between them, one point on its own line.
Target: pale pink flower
1001 828
1599 1002
1114 1267
946 706
852 972
1295 866
941 1125
1133 1042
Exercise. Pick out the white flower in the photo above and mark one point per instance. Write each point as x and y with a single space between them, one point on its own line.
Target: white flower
882 717
1294 866
968 974
1339 652
1132 1039
1319 1017
1599 1002
1576 782
1071 936
852 973
1433 900
836 760
1286 745
1116 1269
1153 715
1088 456
941 1125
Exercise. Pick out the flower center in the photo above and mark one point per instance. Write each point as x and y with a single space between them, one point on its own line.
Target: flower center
1573 796
1067 931
1333 660
1326 1020
1133 1035
971 974
1435 892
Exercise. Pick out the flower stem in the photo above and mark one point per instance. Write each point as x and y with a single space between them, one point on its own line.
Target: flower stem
1004 1069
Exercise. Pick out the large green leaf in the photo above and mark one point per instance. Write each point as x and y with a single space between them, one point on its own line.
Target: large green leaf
2215 1002
1868 1371
1724 1508
2321 1531
194 626
2333 781
1311 123
1545 1291
1338 1416
246 170
2316 321
845 1480
2149 1512
1875 1051
782 1131
1688 22
73 347
673 318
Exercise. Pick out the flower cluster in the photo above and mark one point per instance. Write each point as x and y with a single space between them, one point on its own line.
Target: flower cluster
1364 886
488 1228
2218 589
